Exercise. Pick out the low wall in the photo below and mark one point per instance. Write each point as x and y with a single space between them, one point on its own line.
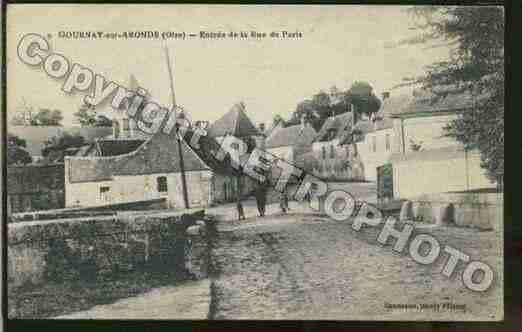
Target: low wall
447 169
479 210
92 211
93 248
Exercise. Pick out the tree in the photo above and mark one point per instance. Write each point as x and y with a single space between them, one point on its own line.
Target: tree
88 117
18 120
16 154
277 119
361 96
56 147
24 115
323 105
47 117
103 121
475 36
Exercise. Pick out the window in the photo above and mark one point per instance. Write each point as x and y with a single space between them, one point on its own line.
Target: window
324 152
347 150
104 193
374 144
387 142
116 128
125 128
126 124
332 151
162 184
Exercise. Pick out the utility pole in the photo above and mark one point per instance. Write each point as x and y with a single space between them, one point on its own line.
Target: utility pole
178 138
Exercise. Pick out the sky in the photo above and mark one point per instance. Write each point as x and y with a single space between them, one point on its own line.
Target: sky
339 44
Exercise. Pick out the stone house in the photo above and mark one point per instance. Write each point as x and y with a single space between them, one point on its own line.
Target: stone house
336 157
425 160
291 142
150 171
237 123
375 137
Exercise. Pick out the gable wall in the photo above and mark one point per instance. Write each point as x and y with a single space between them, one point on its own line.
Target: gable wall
141 187
429 130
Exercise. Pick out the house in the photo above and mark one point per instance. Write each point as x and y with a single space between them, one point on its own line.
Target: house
237 123
425 160
375 140
291 142
336 156
151 171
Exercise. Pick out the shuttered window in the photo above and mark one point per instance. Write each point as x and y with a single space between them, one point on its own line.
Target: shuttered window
162 184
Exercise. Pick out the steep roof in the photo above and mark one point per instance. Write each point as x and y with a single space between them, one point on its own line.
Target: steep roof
338 126
292 136
234 122
159 154
36 136
118 147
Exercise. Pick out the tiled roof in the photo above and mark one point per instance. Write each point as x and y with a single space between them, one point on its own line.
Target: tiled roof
291 136
36 136
338 126
424 102
118 147
235 122
85 150
159 154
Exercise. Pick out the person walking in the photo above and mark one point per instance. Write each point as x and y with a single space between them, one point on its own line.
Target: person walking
260 194
240 210
283 201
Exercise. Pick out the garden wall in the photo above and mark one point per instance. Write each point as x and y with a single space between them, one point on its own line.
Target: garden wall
97 247
483 210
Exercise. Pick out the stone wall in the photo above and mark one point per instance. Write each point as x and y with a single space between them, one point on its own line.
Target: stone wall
121 189
94 248
36 187
436 171
481 210
101 210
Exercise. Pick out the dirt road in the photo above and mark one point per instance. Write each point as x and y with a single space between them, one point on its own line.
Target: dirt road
309 267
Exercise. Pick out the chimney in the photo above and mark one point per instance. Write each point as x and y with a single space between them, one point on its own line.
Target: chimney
262 127
385 95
